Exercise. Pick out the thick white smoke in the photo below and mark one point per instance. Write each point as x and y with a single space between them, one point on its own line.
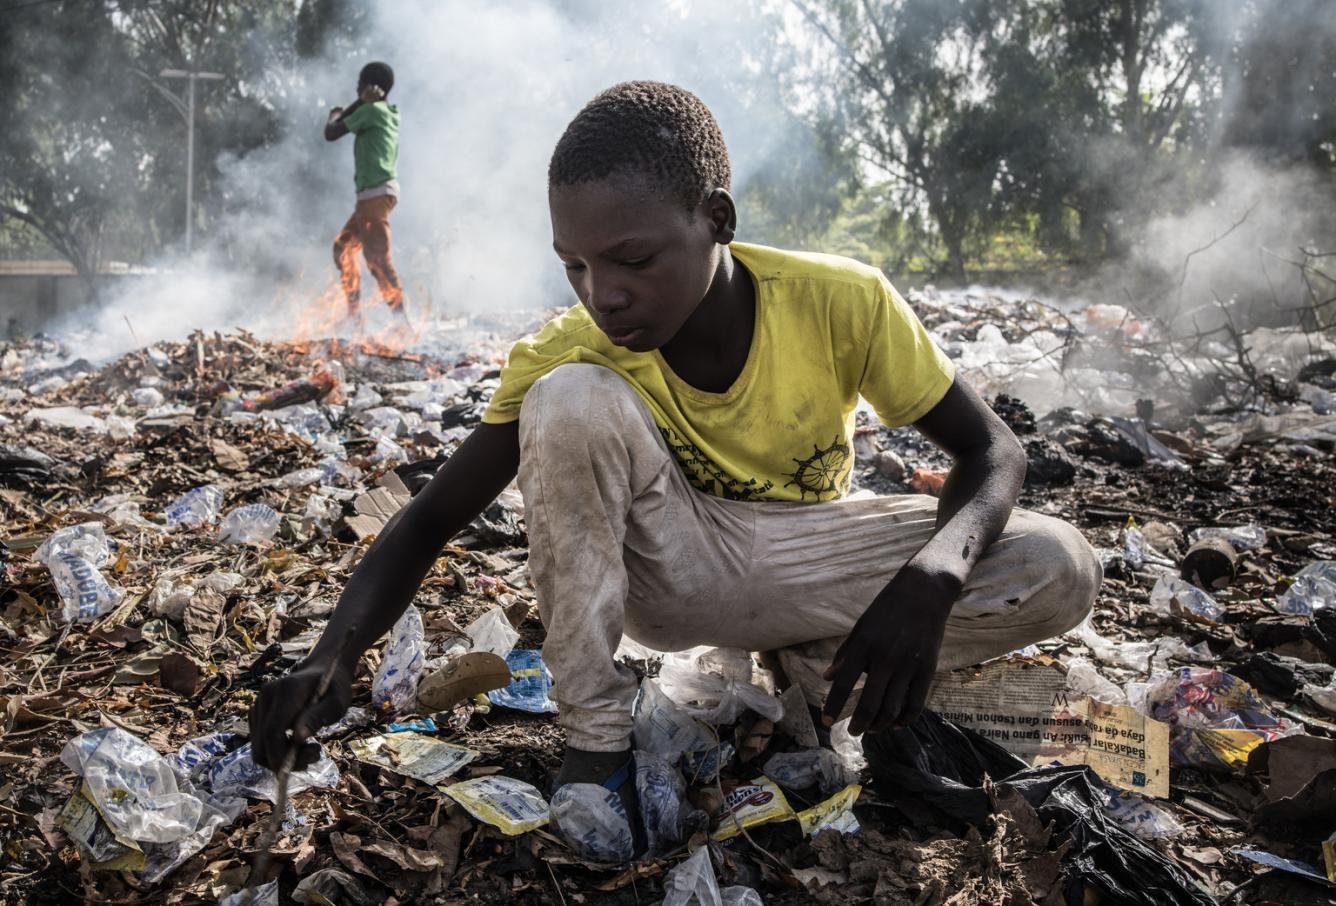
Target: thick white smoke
484 90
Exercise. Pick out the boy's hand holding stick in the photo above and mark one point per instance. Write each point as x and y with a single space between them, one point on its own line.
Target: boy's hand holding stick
300 733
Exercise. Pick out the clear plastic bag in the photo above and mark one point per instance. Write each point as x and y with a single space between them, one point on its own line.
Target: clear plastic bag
236 774
394 688
593 822
712 698
256 524
663 727
73 555
320 514
147 397
1314 588
133 786
196 507
493 632
1084 679
664 810
1242 537
302 477
810 767
1138 552
1176 597
692 883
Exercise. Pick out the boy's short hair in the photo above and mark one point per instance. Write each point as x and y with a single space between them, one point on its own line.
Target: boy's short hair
378 74
650 127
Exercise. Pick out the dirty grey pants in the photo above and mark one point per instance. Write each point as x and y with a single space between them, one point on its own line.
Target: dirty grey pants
620 542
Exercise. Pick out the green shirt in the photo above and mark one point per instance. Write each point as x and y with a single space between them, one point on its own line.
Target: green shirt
376 149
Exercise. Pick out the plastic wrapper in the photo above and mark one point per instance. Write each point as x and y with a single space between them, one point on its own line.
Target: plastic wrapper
847 746
492 632
512 806
147 397
256 524
305 420
1242 537
122 511
1314 588
339 471
133 786
835 813
394 687
1175 597
196 507
73 555
387 453
663 727
1215 718
365 398
692 883
414 755
593 822
1141 817
712 698
386 421
750 805
808 768
530 682
664 810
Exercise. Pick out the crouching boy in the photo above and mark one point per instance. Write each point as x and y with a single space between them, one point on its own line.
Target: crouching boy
683 439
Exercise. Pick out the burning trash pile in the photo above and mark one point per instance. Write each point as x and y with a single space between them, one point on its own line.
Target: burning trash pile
177 527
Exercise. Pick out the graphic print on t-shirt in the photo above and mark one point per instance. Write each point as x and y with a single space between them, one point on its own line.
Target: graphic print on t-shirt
705 475
822 474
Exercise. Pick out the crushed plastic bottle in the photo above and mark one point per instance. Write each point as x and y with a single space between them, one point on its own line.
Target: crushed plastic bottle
492 632
256 523
394 688
593 822
1138 552
302 477
1242 537
1314 588
1176 597
73 555
196 507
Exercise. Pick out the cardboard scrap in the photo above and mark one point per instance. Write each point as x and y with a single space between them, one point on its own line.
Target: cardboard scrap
1023 705
378 505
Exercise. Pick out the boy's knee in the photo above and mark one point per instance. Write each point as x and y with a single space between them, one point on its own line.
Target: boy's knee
1072 571
576 393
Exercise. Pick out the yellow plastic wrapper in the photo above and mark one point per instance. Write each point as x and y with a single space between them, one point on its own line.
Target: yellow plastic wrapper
511 805
750 805
835 813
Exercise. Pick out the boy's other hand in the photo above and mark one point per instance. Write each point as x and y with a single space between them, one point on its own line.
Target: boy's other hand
371 93
895 642
335 112
289 704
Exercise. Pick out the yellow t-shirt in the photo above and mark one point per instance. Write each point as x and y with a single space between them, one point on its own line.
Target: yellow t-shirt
827 330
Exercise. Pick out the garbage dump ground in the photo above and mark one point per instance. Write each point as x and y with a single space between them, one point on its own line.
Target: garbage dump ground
177 526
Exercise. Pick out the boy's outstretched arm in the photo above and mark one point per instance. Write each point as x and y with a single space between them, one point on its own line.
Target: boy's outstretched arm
381 588
897 640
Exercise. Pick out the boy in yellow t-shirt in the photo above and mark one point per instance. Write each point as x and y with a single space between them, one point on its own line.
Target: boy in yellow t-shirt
682 438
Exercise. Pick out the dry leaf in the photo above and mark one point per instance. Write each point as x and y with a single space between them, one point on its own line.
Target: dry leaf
203 616
228 457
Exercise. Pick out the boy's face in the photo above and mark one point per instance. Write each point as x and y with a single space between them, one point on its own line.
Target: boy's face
640 263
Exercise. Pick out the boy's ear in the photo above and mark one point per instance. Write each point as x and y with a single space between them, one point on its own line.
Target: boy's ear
722 213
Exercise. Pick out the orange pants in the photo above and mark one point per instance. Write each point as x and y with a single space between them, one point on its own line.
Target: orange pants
368 230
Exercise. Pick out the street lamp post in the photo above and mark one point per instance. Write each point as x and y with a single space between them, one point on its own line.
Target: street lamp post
187 110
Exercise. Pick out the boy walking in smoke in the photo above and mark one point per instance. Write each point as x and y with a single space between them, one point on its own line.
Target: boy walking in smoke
683 438
375 124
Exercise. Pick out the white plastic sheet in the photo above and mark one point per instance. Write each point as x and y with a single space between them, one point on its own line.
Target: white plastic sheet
394 687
